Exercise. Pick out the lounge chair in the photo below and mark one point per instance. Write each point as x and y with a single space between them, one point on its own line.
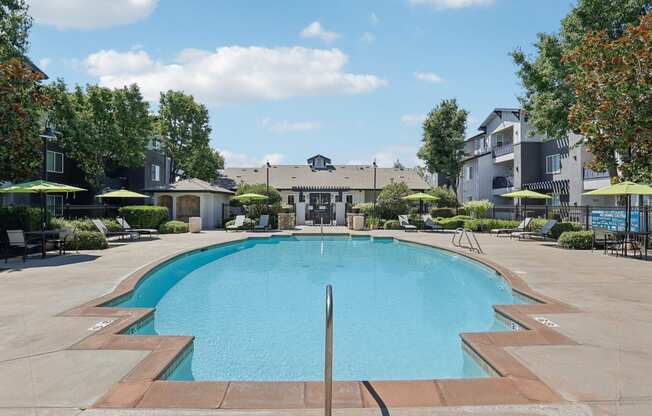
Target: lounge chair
523 226
543 233
102 228
405 224
429 224
263 223
16 239
239 223
140 231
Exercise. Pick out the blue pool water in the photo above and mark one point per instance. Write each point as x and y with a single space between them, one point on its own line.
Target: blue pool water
256 308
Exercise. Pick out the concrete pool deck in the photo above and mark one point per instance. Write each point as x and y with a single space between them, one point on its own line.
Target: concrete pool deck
607 370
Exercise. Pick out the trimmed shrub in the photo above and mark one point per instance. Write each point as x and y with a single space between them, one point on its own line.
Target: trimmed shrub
144 216
454 222
489 224
558 229
577 240
478 208
84 224
392 225
446 197
87 240
173 227
442 212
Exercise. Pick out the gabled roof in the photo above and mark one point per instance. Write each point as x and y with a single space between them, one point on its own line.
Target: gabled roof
286 177
192 185
321 156
494 114
474 136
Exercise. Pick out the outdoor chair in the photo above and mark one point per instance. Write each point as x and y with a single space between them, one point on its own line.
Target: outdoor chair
66 236
140 231
102 228
429 224
16 239
405 224
522 227
604 238
543 233
238 224
263 223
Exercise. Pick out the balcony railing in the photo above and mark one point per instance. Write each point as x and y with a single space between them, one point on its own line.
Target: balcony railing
502 182
503 150
590 174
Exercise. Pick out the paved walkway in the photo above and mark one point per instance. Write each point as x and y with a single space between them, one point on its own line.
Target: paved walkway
608 373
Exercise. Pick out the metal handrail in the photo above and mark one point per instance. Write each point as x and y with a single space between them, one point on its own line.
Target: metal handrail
328 358
474 245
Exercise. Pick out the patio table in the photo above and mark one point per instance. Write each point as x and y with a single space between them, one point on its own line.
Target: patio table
633 237
44 237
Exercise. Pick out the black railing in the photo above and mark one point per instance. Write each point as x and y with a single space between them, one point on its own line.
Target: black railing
89 211
502 182
503 150
591 174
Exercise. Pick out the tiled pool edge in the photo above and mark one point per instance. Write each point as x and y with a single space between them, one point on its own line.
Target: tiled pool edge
142 387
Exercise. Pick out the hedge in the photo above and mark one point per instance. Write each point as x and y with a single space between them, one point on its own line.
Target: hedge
558 229
144 216
392 225
442 212
87 240
578 240
173 227
84 224
19 217
489 224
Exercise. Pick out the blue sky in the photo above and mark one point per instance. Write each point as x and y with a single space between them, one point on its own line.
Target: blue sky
284 80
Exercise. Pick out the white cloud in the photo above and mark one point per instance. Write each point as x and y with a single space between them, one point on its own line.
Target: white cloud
286 126
44 63
412 119
387 155
82 14
373 18
234 159
234 73
430 77
315 30
451 4
368 37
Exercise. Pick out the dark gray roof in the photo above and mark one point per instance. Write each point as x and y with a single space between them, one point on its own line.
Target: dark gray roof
286 177
192 185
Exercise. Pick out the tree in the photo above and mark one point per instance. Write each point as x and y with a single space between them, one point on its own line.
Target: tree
101 128
612 85
15 24
21 109
548 95
390 200
445 197
271 206
443 140
185 135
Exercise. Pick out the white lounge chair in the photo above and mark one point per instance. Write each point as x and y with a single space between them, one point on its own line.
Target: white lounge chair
523 226
239 222
429 224
263 223
405 223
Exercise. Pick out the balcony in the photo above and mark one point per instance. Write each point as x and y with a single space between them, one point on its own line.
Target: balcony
590 174
502 184
502 150
595 180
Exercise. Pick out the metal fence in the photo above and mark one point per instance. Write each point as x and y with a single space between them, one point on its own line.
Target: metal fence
589 216
72 212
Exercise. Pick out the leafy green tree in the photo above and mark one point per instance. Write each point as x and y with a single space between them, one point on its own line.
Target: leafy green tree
612 85
271 206
445 197
443 140
548 94
101 128
185 136
479 208
390 200
15 24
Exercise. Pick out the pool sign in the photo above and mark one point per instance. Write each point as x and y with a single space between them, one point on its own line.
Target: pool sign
614 219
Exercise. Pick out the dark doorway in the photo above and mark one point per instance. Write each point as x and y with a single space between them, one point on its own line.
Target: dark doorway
319 208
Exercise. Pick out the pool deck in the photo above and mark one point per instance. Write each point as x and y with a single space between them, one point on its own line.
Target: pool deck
605 369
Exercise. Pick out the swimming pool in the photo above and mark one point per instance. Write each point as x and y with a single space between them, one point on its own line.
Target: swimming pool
256 309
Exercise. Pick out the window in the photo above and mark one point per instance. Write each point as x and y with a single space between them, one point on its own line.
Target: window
338 197
290 199
55 205
349 199
156 173
54 162
468 173
553 163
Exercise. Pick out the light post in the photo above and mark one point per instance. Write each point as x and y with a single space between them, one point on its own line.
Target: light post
48 133
375 166
267 165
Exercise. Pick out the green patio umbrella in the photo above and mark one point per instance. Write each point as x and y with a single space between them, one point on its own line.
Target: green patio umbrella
122 193
420 196
40 187
525 194
247 198
626 188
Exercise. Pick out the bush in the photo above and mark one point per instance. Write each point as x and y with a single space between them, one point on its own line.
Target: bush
442 212
478 208
577 240
375 222
558 229
489 224
454 222
173 227
390 200
84 224
446 198
144 216
367 209
19 217
87 240
417 221
392 225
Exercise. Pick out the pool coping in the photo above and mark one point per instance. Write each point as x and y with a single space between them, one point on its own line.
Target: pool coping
142 387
